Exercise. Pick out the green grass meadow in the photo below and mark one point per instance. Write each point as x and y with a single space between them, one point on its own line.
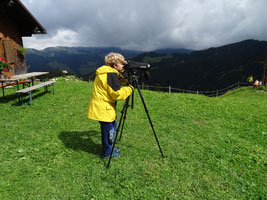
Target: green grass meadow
215 148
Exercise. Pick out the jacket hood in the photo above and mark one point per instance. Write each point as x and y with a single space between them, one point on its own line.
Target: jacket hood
106 69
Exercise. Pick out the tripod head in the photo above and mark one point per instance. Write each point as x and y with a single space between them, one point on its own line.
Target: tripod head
136 70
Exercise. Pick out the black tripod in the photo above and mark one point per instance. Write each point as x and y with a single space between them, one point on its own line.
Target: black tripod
133 80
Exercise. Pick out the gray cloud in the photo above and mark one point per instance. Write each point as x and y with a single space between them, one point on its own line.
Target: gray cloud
147 24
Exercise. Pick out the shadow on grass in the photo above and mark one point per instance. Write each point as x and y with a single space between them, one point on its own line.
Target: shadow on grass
81 141
26 100
7 98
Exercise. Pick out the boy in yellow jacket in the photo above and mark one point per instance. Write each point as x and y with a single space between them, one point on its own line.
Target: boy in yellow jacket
107 90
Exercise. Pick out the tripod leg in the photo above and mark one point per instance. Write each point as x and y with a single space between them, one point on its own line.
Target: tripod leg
132 105
150 121
123 116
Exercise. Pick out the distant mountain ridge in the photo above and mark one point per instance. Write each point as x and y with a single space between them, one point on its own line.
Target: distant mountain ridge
173 50
76 60
209 69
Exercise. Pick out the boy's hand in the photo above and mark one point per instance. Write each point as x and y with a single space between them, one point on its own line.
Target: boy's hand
132 87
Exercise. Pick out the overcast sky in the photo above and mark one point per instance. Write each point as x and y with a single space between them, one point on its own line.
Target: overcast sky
147 24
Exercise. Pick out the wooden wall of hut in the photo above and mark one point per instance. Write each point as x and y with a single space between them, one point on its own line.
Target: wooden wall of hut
10 40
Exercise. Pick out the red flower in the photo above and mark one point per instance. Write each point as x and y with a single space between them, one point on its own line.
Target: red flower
5 65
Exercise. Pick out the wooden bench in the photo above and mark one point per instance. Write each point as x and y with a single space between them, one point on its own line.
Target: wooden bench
30 89
14 83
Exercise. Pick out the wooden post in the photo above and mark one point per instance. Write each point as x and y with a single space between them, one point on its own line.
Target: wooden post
170 90
264 72
263 60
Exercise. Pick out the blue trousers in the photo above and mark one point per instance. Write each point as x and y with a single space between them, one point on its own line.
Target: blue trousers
108 131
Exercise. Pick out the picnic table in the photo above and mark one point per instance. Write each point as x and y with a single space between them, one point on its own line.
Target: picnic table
18 78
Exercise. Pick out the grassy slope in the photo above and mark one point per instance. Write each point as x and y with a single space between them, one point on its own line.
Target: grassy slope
215 148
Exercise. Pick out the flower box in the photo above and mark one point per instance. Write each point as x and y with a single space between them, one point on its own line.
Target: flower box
7 74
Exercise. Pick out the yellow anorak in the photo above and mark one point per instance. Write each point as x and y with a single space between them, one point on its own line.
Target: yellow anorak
107 90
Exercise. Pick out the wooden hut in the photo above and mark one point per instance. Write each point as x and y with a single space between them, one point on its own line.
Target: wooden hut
16 22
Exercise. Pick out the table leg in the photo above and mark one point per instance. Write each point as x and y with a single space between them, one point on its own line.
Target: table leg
17 82
30 98
3 89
